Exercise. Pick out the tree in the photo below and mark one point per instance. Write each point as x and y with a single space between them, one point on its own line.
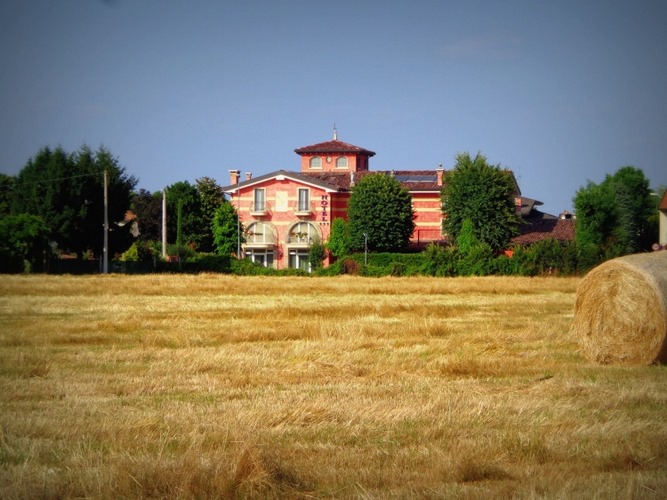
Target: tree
148 209
634 209
483 194
67 192
381 208
182 197
614 217
23 243
339 243
211 196
6 188
226 229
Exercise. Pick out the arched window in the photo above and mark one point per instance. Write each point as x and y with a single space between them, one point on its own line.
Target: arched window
260 233
316 162
302 233
341 162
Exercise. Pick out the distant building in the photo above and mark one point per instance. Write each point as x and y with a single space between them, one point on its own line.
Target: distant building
663 220
284 212
538 226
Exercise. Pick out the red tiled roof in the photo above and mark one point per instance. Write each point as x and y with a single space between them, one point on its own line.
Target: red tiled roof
541 229
663 202
333 147
412 180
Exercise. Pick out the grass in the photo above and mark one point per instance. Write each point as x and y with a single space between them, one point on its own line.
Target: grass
218 386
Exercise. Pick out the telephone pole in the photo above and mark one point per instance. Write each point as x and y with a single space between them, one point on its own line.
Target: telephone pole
105 262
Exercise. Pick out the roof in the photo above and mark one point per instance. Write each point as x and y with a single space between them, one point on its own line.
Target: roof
297 176
335 147
538 229
413 180
663 202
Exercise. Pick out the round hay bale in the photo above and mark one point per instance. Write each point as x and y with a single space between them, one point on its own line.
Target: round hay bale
620 313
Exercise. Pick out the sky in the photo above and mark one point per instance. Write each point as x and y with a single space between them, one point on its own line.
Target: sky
561 93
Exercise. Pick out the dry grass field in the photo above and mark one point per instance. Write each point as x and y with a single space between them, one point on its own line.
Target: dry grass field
217 386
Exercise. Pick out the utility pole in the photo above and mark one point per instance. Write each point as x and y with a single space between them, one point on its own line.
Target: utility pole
105 262
164 224
238 222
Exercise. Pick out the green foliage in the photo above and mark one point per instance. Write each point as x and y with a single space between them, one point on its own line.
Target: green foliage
382 208
211 197
183 252
140 251
182 197
614 217
340 242
439 260
316 254
475 261
467 240
23 243
483 194
148 208
246 267
66 191
226 229
6 188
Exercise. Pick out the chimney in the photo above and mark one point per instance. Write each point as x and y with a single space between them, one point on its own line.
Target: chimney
234 176
248 176
439 172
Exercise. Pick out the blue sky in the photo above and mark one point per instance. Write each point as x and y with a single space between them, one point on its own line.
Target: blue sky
559 92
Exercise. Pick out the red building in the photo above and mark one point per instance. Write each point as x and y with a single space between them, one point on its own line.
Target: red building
283 212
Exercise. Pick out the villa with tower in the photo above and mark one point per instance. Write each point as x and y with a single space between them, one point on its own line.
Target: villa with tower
284 212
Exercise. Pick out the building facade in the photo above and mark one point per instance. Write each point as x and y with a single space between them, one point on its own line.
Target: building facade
284 212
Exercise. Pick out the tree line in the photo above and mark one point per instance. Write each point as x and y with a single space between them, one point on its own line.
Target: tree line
54 206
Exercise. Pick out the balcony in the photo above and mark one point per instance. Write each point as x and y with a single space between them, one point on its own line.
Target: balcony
259 209
303 209
299 239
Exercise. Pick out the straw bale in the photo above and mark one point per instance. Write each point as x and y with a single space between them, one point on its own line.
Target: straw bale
620 313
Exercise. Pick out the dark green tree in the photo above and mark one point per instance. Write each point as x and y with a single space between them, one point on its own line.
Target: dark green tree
184 195
211 196
614 217
226 229
23 243
634 209
339 243
381 208
67 192
6 188
483 194
148 208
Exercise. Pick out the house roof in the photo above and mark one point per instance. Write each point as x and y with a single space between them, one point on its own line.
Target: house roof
663 202
335 146
296 176
539 228
413 180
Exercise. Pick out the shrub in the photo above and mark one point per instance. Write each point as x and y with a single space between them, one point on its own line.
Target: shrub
476 261
140 251
438 260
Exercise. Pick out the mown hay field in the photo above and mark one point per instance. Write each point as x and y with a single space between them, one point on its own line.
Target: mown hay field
214 386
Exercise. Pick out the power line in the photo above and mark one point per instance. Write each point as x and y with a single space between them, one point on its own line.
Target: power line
57 179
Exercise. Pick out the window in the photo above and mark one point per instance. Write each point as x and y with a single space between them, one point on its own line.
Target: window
316 162
262 257
299 259
304 200
341 162
259 201
302 233
259 233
